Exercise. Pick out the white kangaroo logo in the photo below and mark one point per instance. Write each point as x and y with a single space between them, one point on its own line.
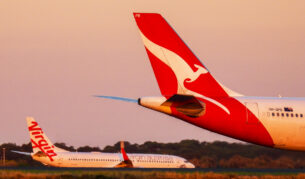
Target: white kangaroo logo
196 74
183 72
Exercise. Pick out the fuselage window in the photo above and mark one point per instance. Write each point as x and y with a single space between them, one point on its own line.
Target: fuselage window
301 115
283 115
291 115
287 114
278 114
296 115
273 114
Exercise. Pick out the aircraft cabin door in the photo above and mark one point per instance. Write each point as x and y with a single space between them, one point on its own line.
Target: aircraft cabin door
252 113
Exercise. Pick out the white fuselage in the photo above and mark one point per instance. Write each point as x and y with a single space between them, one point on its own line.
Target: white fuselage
110 160
285 126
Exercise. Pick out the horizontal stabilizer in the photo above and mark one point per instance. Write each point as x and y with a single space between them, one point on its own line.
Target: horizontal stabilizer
23 153
119 98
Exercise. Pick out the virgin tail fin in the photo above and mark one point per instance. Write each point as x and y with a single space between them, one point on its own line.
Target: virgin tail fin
40 142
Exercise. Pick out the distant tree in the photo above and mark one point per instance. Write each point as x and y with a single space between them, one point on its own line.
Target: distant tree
89 149
65 147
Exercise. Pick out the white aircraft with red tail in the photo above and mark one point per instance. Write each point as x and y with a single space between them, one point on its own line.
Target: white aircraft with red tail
48 154
189 92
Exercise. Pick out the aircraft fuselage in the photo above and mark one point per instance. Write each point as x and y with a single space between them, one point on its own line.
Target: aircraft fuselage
273 122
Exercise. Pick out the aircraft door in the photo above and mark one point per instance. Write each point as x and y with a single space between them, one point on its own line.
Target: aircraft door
252 113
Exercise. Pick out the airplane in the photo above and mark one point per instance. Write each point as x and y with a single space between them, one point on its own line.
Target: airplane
189 92
48 154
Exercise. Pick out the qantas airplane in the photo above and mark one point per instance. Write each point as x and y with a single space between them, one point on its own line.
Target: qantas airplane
189 92
48 154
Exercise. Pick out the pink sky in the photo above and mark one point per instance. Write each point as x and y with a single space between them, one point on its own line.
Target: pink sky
56 54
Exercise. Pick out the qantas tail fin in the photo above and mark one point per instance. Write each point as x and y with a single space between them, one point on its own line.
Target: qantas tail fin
177 69
41 145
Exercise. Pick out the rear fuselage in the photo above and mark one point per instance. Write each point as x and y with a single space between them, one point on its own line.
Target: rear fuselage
273 122
282 118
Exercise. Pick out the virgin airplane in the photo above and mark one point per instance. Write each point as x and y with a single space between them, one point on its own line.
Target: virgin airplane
189 92
48 154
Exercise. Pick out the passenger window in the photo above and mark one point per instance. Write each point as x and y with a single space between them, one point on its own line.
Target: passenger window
287 114
301 115
283 115
296 115
278 114
273 114
291 115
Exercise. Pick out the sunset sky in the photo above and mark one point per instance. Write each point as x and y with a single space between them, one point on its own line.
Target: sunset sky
55 55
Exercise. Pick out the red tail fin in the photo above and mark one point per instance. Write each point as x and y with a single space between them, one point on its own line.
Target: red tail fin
125 157
177 69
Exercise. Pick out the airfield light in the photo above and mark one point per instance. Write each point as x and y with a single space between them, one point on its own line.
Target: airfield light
3 157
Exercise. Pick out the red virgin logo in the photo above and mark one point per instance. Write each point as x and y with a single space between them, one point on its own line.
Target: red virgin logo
38 141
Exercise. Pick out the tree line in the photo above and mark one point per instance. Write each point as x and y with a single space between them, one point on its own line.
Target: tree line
202 154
